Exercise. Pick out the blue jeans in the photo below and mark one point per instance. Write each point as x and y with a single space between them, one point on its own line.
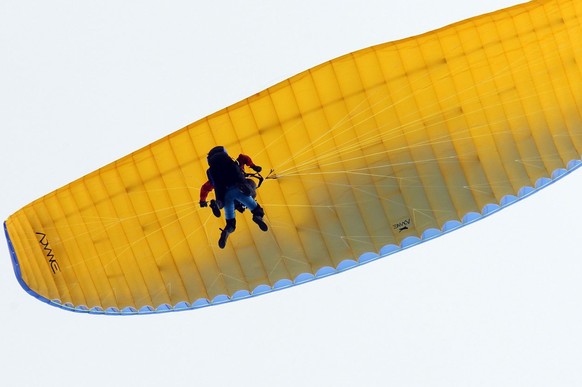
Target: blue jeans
234 194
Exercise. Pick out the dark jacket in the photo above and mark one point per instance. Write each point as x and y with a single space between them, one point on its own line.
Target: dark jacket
224 173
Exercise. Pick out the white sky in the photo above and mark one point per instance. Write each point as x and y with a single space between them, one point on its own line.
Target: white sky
83 83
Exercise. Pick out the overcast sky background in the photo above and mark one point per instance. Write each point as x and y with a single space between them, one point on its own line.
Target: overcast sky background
83 83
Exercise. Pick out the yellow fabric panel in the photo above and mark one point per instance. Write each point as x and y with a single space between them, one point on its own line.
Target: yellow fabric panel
367 149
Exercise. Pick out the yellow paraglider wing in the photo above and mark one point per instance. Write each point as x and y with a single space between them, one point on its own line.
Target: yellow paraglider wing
372 152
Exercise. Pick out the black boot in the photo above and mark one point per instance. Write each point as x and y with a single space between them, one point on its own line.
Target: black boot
215 209
226 231
258 214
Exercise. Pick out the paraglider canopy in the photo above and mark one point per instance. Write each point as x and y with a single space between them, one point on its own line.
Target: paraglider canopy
375 151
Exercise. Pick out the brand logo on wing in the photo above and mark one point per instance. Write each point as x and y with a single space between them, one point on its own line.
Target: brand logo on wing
402 225
48 252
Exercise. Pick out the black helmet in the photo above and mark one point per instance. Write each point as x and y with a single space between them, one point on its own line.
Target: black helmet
214 151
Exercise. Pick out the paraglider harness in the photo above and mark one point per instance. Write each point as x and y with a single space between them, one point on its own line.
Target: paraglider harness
247 182
250 187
